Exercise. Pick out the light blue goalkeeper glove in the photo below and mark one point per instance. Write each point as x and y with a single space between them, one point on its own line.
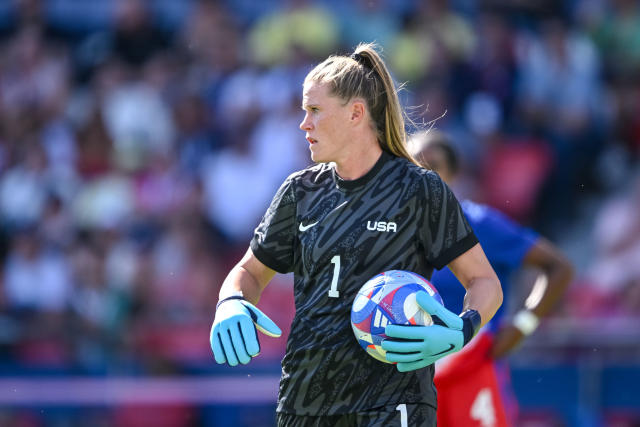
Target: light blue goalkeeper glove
448 334
233 334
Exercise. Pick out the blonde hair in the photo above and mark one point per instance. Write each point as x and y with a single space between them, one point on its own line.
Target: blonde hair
364 75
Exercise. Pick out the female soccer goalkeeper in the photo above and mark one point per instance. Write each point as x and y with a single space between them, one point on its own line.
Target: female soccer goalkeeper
316 227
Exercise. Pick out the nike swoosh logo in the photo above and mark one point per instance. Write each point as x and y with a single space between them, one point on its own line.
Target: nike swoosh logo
306 227
444 351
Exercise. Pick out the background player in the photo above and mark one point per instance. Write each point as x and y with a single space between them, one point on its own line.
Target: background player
473 389
316 227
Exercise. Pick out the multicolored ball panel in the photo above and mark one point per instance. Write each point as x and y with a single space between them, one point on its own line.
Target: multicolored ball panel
388 297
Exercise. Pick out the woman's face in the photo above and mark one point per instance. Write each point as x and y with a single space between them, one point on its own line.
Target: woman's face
326 123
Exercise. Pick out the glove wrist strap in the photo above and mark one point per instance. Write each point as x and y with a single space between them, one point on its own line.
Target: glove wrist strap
229 298
471 322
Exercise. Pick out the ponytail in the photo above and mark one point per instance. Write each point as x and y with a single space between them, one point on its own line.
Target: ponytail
365 75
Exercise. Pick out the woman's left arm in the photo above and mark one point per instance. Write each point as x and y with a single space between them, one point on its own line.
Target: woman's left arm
414 347
484 293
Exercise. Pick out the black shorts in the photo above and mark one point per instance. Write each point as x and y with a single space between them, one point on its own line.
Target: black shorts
404 415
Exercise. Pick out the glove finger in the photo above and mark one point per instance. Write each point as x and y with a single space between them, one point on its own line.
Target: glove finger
238 343
229 351
406 332
434 308
250 338
412 366
216 346
403 357
262 321
401 346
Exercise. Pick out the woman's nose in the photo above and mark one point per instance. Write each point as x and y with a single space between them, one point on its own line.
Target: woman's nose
306 123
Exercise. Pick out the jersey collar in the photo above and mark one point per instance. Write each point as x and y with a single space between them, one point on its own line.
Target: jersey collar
354 184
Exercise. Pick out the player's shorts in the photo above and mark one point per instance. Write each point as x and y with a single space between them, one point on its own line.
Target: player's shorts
469 390
403 415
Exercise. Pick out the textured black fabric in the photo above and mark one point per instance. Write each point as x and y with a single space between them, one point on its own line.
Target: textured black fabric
329 231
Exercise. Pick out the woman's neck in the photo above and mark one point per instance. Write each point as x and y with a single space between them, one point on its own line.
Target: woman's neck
359 162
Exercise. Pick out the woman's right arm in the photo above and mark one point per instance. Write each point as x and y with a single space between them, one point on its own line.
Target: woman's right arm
233 334
249 276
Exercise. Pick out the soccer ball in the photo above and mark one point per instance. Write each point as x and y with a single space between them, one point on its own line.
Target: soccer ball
388 297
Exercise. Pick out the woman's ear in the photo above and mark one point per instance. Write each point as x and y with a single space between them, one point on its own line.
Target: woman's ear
357 111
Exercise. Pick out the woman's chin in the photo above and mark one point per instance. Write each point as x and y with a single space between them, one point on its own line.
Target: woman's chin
316 157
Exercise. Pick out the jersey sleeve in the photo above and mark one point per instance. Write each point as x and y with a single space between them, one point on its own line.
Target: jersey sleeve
445 232
273 239
505 242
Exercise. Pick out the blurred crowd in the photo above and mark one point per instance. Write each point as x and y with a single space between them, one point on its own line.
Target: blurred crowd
141 141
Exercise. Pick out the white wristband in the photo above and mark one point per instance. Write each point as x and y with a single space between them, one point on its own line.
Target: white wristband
526 321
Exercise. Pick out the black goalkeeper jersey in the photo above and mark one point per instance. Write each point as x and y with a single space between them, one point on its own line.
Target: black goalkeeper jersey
334 235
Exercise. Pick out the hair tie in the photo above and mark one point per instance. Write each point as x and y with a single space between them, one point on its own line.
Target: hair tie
357 57
360 59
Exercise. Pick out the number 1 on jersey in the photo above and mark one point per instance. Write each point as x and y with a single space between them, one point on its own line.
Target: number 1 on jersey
404 422
333 292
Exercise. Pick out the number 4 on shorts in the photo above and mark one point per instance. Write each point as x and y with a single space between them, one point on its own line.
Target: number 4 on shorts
483 410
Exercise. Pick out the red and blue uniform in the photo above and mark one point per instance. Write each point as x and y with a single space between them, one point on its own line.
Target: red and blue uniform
473 389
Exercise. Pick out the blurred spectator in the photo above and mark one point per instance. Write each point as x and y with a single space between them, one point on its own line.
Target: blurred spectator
95 305
560 98
211 37
95 148
231 205
104 203
161 190
435 44
24 187
36 278
34 76
559 79
615 273
493 61
139 123
196 137
368 21
616 30
33 14
300 25
181 269
511 169
135 36
57 227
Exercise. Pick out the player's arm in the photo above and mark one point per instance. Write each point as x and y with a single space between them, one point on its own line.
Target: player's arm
249 277
414 347
233 334
484 293
555 276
